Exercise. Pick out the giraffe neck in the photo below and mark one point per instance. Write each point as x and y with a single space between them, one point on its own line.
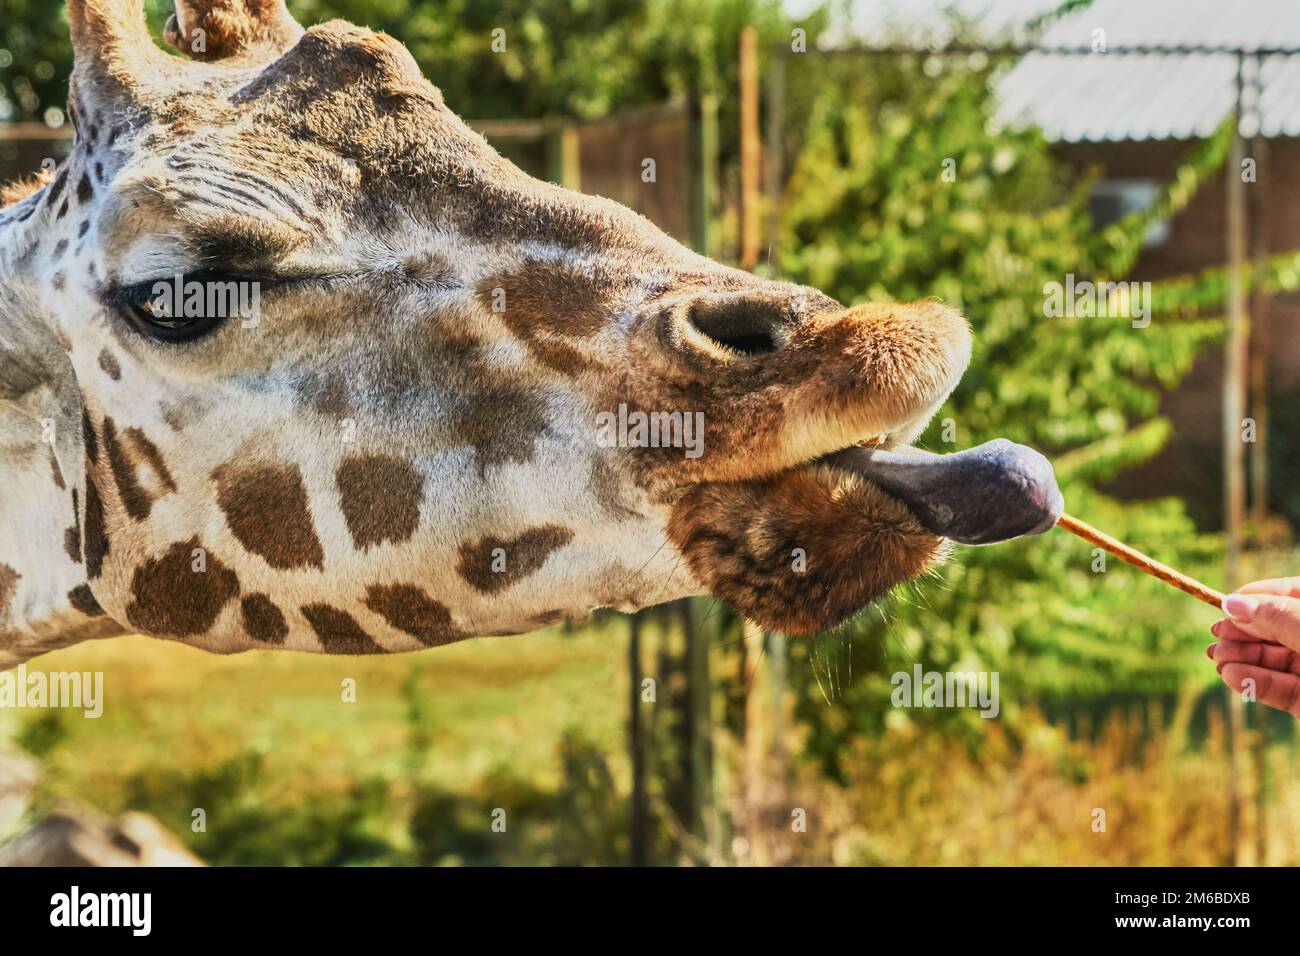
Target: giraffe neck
45 599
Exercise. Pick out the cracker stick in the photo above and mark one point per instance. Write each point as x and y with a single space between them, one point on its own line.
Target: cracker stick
1139 560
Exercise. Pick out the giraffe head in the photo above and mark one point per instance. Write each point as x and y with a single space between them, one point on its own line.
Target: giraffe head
408 393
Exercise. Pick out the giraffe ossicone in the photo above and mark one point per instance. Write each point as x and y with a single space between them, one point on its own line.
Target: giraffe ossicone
405 448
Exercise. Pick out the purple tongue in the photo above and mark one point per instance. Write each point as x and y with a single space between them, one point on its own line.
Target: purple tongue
992 492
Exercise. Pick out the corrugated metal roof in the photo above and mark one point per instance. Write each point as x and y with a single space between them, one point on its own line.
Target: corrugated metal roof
1102 97
1248 24
1119 96
927 22
1108 96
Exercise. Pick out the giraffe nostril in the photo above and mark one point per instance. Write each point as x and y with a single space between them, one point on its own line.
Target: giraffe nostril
744 326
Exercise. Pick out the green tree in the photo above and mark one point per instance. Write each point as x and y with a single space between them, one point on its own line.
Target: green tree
904 187
571 58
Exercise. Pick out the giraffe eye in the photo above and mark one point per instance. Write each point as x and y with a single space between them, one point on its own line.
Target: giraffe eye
186 306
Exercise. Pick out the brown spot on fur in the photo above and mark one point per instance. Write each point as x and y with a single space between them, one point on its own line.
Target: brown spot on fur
175 416
56 190
266 508
8 588
126 457
327 394
545 301
84 189
338 631
559 356
522 556
72 543
407 608
88 436
137 503
83 599
263 620
109 364
169 597
501 421
57 472
95 540
72 536
380 497
151 456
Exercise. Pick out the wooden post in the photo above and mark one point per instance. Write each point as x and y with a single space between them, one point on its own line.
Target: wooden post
750 150
754 743
778 763
700 692
638 828
1260 336
563 157
1243 819
776 653
705 123
1235 355
774 157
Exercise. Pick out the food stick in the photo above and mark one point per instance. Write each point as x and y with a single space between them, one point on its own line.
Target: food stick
1139 560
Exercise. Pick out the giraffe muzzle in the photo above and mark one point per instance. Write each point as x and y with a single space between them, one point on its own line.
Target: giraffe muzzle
993 492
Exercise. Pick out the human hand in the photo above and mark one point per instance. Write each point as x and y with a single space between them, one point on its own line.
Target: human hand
1259 641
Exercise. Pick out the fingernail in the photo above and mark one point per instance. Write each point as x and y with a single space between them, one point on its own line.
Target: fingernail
1209 651
1215 627
1240 607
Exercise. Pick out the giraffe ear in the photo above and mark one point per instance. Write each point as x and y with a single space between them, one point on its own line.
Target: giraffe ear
219 29
115 58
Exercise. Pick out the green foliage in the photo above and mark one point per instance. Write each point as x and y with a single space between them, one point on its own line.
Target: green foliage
370 820
565 58
871 214
246 826
42 734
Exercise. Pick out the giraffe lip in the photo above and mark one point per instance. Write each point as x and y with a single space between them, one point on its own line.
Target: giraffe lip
993 492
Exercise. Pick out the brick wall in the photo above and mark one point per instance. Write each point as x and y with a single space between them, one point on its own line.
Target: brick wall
1191 466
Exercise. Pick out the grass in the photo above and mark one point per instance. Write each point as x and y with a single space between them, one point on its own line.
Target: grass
489 705
288 772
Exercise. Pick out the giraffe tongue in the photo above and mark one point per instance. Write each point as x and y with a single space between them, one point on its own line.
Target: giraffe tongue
992 492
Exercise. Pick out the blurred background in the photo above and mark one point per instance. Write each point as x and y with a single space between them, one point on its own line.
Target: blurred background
974 151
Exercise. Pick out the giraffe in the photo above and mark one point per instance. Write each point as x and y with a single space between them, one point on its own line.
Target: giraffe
404 447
